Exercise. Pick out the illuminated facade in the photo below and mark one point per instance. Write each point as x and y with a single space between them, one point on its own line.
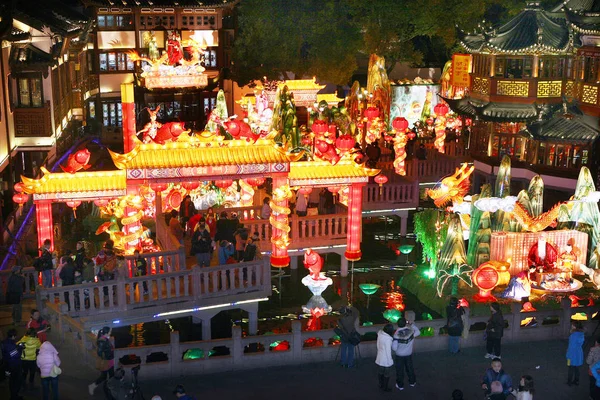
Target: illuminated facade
534 94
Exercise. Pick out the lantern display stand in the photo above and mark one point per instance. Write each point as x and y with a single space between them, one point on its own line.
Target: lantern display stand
406 249
368 289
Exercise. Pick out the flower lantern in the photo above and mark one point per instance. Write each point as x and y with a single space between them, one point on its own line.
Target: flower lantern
400 124
381 180
440 109
100 202
159 187
223 183
20 198
74 204
372 113
345 143
19 187
190 185
319 126
486 278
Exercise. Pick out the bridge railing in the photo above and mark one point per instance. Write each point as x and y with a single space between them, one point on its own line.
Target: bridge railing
246 352
391 195
126 294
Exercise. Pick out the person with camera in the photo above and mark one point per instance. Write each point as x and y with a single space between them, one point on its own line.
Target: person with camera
348 331
404 340
11 355
106 361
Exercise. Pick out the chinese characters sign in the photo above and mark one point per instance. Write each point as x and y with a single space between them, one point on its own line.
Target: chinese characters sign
461 65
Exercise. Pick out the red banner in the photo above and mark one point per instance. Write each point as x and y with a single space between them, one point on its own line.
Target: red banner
461 66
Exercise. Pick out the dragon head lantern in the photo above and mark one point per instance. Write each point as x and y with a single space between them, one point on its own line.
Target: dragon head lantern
452 188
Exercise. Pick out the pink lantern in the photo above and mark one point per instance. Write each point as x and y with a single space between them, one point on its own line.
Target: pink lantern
334 189
20 198
440 109
100 202
19 187
400 124
353 234
381 180
74 204
305 191
371 112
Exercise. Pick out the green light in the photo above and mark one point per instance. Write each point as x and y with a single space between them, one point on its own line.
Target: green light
406 248
429 274
427 331
392 315
369 288
427 316
368 323
194 354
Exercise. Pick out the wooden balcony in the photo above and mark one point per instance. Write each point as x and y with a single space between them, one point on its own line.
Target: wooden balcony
518 90
32 121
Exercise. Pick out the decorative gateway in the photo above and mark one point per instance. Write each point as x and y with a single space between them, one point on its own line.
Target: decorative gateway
172 69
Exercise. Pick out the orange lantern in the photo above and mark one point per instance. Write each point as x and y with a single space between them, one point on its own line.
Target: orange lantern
486 278
159 187
381 180
74 204
190 185
19 187
20 198
223 183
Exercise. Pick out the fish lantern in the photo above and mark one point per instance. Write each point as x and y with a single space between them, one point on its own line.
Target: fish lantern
400 124
190 185
440 109
486 278
19 187
223 183
20 198
319 126
158 187
77 161
233 127
82 156
345 143
101 202
371 113
381 180
74 204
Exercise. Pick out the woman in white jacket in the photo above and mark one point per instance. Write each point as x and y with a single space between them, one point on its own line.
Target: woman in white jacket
384 359
46 360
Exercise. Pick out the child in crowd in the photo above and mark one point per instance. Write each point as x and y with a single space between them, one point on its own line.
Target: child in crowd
575 353
525 391
496 373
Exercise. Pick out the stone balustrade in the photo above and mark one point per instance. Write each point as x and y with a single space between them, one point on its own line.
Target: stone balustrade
258 351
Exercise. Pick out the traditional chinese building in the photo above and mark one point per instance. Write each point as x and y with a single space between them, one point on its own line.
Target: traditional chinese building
44 64
534 94
150 28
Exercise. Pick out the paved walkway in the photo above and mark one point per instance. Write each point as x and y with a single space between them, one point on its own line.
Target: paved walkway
438 373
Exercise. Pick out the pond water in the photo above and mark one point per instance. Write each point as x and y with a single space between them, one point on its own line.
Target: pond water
381 265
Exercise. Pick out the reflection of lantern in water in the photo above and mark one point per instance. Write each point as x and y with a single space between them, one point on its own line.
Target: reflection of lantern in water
394 300
486 278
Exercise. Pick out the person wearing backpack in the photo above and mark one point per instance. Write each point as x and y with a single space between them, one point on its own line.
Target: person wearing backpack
44 264
454 324
32 346
404 340
106 361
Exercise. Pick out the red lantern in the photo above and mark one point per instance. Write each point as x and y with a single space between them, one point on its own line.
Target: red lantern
305 191
20 198
100 202
371 112
74 204
173 199
345 143
381 180
159 187
190 185
486 278
319 126
334 189
255 181
440 109
223 183
411 135
19 187
400 124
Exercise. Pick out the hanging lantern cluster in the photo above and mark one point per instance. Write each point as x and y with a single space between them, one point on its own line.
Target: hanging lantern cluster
19 197
440 110
400 126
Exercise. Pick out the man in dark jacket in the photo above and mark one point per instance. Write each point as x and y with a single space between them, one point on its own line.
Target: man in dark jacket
455 325
494 331
79 257
14 293
222 228
44 264
348 324
201 245
11 354
67 275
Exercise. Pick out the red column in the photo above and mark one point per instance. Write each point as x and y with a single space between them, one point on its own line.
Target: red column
279 254
354 229
128 109
43 213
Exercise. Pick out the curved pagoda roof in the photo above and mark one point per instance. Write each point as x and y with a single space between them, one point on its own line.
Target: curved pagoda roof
532 31
84 185
580 6
493 111
322 173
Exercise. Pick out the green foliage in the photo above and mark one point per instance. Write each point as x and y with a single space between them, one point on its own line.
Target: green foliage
284 120
220 111
586 214
430 238
479 230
